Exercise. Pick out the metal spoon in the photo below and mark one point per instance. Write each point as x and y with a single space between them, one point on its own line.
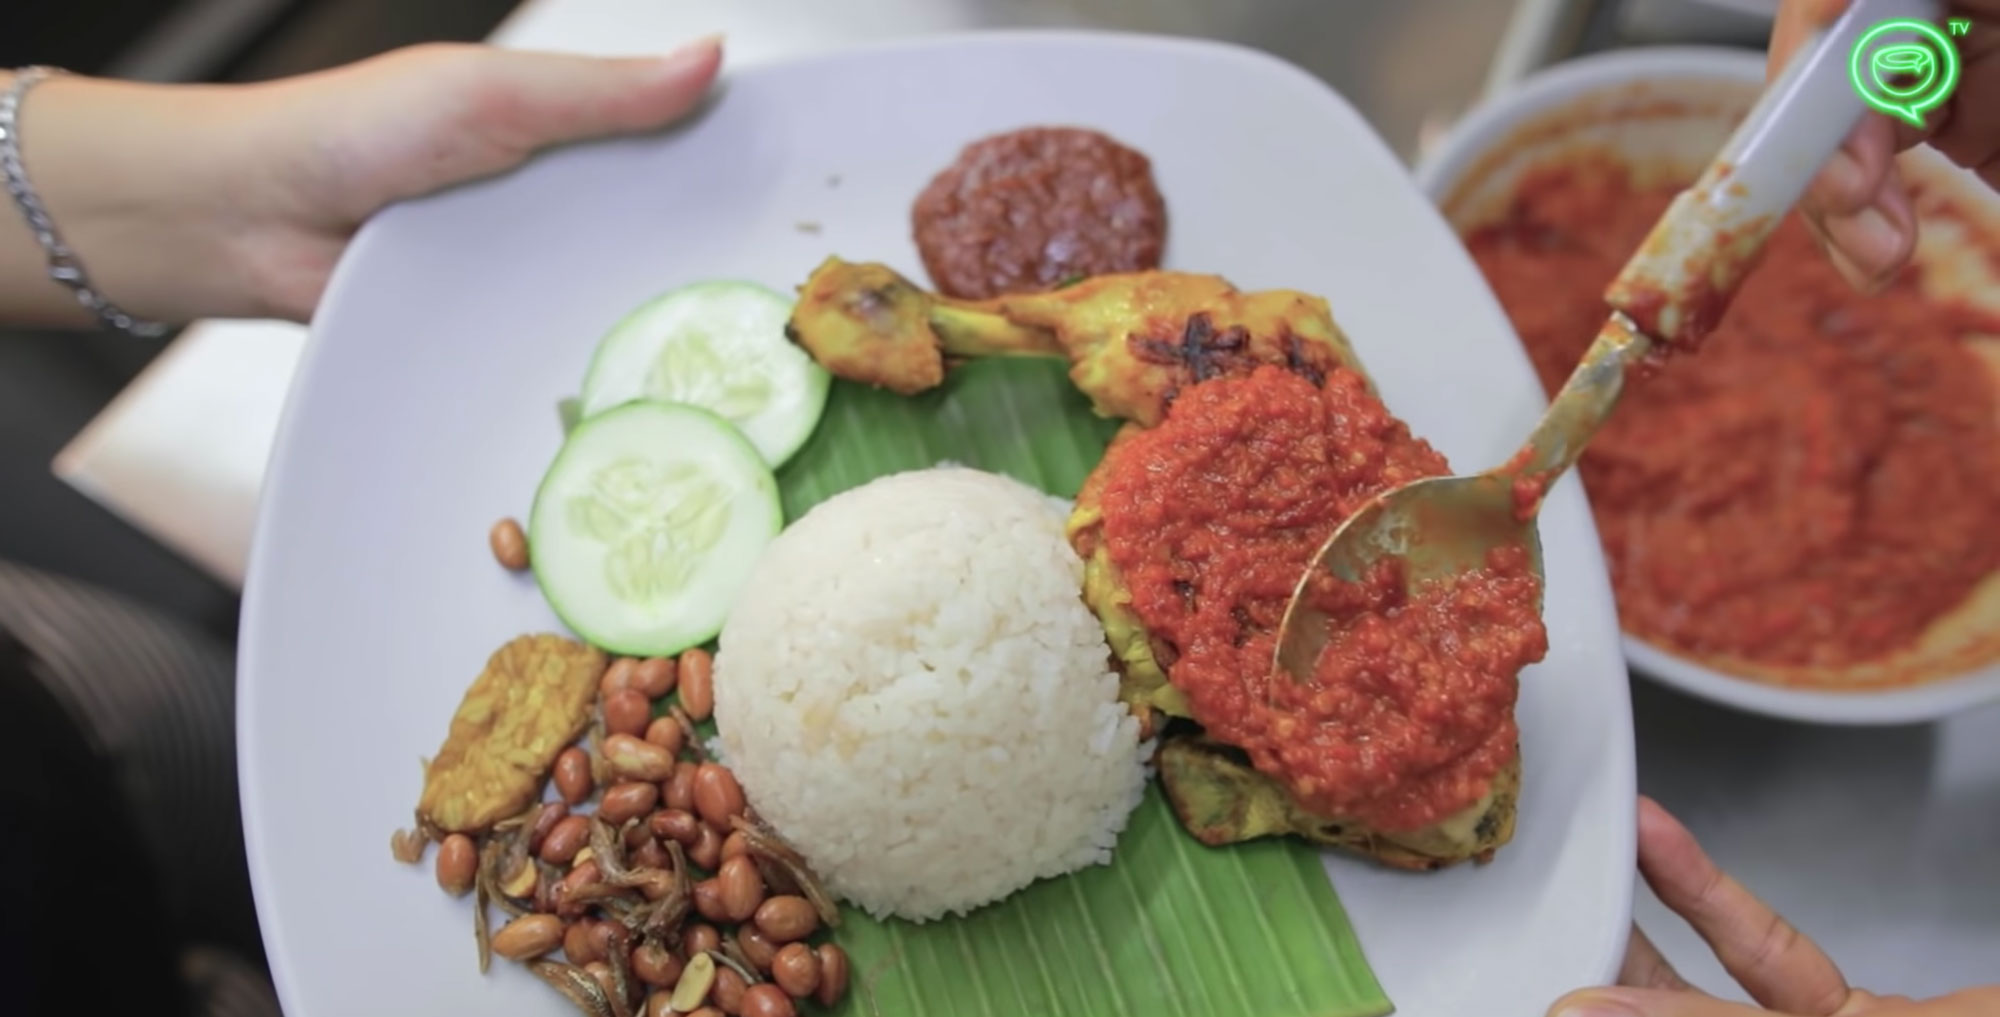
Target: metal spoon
1667 298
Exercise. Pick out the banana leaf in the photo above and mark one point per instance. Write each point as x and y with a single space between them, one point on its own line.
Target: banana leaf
1171 928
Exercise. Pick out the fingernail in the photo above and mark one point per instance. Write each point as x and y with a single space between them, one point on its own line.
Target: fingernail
692 53
1841 176
1864 246
1598 1004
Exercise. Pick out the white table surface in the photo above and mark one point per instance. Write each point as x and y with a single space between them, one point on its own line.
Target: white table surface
1882 844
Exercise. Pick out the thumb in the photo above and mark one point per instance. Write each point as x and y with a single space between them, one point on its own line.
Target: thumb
1650 1003
526 101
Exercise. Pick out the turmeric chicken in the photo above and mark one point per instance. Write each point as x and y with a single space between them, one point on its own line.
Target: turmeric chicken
1259 396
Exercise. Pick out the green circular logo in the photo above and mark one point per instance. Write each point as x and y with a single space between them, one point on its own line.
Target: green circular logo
1904 78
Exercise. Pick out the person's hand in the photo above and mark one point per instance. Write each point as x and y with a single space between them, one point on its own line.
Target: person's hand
1858 207
236 201
1783 970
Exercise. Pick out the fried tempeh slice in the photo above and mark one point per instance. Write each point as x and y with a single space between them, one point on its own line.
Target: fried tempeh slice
532 700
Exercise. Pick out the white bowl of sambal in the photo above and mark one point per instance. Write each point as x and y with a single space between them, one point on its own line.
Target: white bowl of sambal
1803 518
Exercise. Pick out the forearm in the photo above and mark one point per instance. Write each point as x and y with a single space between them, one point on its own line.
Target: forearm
149 185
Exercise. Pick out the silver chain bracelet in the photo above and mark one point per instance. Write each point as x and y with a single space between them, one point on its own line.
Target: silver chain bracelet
64 266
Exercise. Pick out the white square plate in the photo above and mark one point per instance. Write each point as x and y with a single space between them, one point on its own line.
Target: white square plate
425 409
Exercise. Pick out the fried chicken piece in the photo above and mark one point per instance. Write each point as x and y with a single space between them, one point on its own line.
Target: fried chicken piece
1216 794
531 701
1133 340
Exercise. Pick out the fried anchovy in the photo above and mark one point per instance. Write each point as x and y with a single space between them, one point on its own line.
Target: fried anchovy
577 986
659 920
595 893
733 956
690 735
482 891
607 849
764 842
620 959
600 768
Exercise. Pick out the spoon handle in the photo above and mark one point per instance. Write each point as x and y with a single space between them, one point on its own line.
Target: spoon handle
1685 274
1575 414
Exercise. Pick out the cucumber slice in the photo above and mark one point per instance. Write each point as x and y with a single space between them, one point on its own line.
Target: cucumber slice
646 525
720 346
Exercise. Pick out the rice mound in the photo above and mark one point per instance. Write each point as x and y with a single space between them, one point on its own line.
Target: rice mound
913 693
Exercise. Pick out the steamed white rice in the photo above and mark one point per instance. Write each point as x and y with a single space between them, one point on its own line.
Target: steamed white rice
913 693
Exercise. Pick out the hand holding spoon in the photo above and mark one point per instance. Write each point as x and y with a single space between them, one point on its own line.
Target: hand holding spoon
1670 295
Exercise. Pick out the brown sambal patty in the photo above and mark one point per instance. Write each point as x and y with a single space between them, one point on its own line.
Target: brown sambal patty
1032 209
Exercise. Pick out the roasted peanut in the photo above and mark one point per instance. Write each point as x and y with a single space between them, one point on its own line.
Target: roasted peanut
630 758
735 846
584 874
676 824
741 887
707 1011
572 775
654 676
655 965
571 833
767 1000
678 792
706 851
667 734
629 800
697 677
699 938
583 943
528 936
787 919
693 988
659 1004
617 677
457 864
796 969
832 975
551 813
757 948
729 990
717 795
649 854
708 900
627 712
637 834
510 545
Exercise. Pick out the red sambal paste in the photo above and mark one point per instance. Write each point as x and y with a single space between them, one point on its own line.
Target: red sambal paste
1211 518
1815 487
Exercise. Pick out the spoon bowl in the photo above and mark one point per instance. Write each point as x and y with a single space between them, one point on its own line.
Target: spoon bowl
1440 527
